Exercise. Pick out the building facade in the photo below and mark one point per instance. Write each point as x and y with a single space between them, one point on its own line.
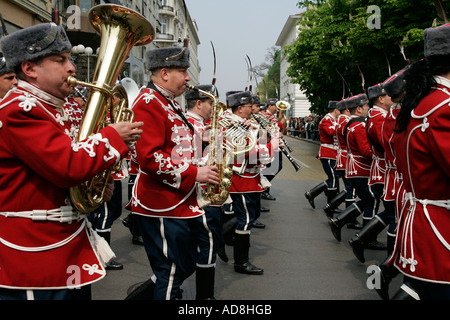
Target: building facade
289 91
169 18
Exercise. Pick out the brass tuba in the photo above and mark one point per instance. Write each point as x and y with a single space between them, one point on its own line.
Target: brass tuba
120 29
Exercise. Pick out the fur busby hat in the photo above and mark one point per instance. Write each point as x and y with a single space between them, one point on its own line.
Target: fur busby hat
170 57
256 99
332 105
239 99
356 101
34 42
437 40
3 67
395 84
341 105
271 101
195 95
375 91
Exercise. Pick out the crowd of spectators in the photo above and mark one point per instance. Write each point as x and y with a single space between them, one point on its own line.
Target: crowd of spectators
304 127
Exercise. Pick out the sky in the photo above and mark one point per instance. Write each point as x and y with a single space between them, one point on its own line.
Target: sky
236 28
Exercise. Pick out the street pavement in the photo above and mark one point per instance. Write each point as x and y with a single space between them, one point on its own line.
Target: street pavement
300 257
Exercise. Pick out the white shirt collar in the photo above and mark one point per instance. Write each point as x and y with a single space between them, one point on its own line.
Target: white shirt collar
442 81
41 94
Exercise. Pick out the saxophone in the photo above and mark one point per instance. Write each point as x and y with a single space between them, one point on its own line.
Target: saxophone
222 154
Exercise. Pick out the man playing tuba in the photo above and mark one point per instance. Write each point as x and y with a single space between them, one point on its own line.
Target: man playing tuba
45 245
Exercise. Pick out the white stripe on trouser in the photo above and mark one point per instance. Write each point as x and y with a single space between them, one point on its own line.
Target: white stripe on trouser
30 294
210 237
334 178
247 215
165 250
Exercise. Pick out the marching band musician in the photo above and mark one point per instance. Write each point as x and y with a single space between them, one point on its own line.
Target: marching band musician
359 160
199 109
246 185
256 108
165 193
393 185
347 195
8 78
372 226
327 156
422 149
46 246
272 169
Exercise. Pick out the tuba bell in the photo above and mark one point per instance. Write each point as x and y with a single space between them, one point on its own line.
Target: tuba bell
120 29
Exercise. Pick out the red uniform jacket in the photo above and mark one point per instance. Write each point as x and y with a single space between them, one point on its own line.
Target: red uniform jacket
38 163
165 185
359 158
327 133
374 123
247 169
423 232
341 157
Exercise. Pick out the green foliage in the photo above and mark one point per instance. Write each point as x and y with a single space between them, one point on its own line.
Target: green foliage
337 55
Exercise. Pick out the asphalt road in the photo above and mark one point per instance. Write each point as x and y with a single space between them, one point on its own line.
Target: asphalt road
300 257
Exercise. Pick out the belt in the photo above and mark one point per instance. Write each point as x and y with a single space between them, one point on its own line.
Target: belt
62 215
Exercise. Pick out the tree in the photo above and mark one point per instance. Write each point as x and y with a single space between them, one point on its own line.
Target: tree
269 71
345 46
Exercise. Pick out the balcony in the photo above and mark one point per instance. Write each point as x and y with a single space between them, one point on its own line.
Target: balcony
166 11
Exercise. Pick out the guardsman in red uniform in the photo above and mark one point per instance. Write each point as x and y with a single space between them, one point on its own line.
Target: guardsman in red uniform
366 238
327 156
393 190
272 169
348 195
359 160
199 110
247 185
8 78
46 246
422 251
166 192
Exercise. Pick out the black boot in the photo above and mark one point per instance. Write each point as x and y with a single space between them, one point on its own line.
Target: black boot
267 196
362 238
314 192
343 218
204 282
141 291
334 203
387 273
222 253
241 260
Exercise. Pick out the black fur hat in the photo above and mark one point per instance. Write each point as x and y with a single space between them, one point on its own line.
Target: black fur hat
34 42
271 101
437 40
332 105
356 101
341 105
375 91
195 95
256 99
167 58
239 99
395 84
